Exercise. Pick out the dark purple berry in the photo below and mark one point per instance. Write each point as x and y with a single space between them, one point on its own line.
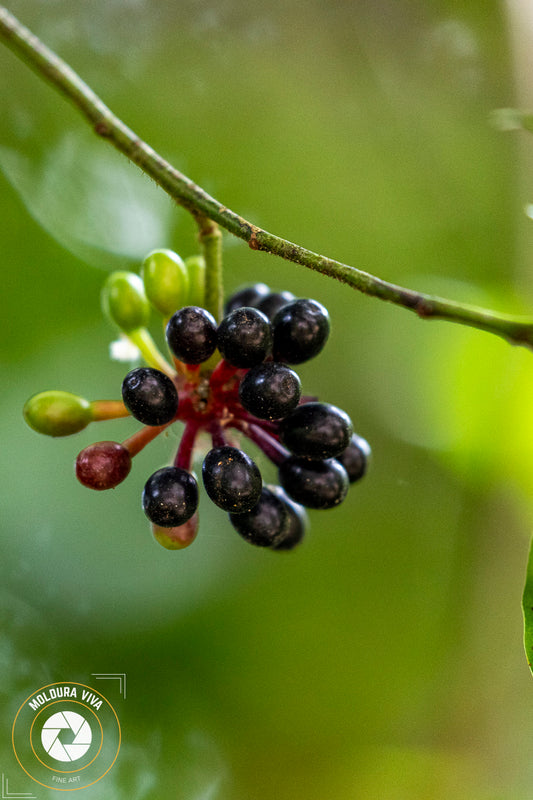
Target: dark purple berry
266 524
316 430
150 396
192 334
246 296
103 465
271 304
355 458
314 484
270 390
244 337
298 521
300 330
170 497
231 479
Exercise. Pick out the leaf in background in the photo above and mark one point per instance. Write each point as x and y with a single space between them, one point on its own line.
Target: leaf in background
93 202
527 604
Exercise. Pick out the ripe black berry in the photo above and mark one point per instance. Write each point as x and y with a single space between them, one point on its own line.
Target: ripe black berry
355 458
316 430
231 479
270 390
170 497
297 521
300 330
266 524
103 465
312 483
246 296
192 334
272 302
244 337
150 396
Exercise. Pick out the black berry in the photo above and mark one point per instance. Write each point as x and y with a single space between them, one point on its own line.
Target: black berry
231 479
266 524
272 302
244 337
192 334
150 396
246 296
355 458
298 521
170 497
300 330
314 484
270 390
316 430
103 465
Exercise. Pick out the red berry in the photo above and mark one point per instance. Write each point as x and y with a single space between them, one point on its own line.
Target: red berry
103 465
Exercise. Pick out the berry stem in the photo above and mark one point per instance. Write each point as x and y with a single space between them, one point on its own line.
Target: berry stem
108 409
135 443
222 373
142 339
184 455
210 237
217 435
270 446
266 424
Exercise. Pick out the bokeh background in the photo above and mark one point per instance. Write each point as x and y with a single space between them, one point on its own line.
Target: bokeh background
384 658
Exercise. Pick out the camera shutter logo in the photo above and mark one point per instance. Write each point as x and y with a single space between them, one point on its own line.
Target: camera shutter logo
55 725
66 736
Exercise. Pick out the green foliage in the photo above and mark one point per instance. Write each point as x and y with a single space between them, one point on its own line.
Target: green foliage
528 611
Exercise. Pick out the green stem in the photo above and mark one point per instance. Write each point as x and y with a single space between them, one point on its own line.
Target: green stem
210 237
142 339
108 409
48 65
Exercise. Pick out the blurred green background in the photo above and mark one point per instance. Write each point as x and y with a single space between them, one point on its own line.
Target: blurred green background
384 658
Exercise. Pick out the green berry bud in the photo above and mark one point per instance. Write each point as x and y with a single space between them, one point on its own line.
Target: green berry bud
124 301
196 269
57 413
166 281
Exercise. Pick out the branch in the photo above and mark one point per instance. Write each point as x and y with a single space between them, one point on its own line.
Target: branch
517 330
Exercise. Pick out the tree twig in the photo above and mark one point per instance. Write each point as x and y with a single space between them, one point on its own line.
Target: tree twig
516 329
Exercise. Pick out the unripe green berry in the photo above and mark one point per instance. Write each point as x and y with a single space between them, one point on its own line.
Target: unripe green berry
57 413
196 269
124 301
166 281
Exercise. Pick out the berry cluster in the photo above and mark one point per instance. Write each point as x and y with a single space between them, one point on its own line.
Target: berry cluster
229 380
